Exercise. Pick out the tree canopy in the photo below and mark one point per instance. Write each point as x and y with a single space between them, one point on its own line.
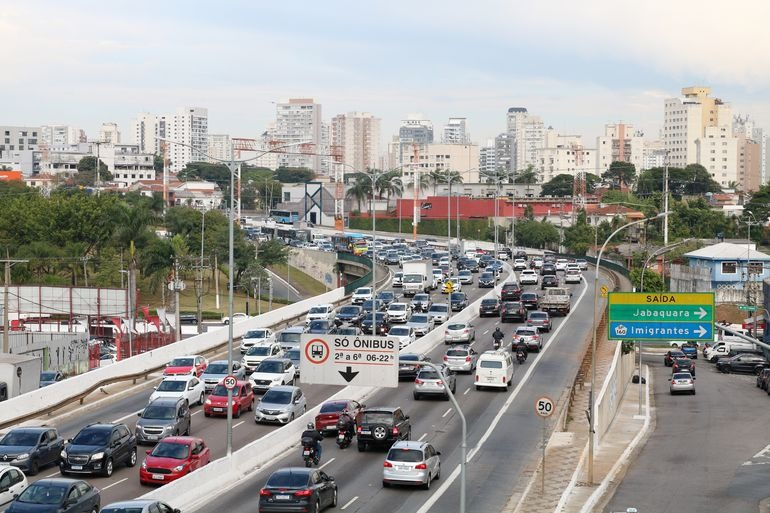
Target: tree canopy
620 174
293 175
86 175
692 180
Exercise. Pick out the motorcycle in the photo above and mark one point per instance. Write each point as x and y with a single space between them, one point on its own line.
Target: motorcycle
496 344
521 357
344 438
308 452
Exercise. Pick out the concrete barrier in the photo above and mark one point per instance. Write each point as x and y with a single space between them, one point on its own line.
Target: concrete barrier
614 387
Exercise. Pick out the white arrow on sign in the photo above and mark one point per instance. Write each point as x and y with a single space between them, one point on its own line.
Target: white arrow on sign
701 313
701 331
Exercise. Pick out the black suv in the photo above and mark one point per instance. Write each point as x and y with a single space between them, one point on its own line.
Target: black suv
511 291
97 449
382 427
351 314
489 306
37 446
458 301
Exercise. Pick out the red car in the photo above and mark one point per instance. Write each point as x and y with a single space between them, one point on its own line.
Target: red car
243 399
193 364
172 458
327 417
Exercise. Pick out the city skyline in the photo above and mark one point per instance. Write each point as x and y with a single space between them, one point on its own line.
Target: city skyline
577 67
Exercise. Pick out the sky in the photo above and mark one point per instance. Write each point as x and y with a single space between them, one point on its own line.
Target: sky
578 65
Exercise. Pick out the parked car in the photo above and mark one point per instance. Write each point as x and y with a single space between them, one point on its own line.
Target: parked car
139 506
510 291
256 337
461 358
489 306
172 458
187 387
439 312
421 324
528 277
539 320
57 495
458 301
670 356
429 382
486 280
193 364
513 311
98 449
243 400
50 377
272 372
298 489
164 416
530 336
683 365
682 382
381 427
408 371
411 463
217 371
329 414
280 405
12 483
30 448
749 363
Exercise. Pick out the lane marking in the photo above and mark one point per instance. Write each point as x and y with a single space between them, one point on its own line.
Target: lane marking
467 390
446 412
196 412
351 501
115 483
54 474
121 419
322 466
485 332
762 453
422 437
238 424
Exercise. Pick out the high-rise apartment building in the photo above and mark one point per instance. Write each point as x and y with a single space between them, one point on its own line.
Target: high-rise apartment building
619 144
188 127
109 133
760 138
219 148
503 152
528 135
355 138
653 154
413 132
563 154
60 136
146 131
462 158
298 120
18 145
455 132
487 159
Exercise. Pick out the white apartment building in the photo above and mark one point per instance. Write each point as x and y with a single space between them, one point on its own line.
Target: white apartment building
487 159
619 144
188 125
717 151
463 158
129 165
146 128
759 137
219 148
528 136
109 133
60 136
455 132
354 138
414 131
563 154
298 120
17 148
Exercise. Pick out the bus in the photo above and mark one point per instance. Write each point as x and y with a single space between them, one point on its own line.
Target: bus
284 216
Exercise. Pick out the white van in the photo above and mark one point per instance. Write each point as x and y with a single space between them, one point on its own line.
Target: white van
722 349
494 369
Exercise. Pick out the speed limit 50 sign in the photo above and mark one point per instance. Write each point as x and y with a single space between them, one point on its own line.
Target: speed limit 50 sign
544 406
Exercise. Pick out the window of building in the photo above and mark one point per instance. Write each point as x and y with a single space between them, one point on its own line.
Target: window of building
729 267
756 268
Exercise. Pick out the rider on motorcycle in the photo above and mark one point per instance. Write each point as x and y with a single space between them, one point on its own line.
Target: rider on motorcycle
520 347
498 336
312 433
347 424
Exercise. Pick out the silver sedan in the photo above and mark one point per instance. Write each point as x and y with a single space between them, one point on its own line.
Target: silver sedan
461 358
682 382
459 332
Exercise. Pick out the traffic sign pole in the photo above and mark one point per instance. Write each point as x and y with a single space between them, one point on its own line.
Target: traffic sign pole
544 408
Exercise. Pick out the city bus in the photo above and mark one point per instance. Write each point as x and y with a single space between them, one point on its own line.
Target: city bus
284 216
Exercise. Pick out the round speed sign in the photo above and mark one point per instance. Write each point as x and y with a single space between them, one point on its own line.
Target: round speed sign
544 406
229 382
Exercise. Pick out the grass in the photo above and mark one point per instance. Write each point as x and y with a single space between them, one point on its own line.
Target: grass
304 283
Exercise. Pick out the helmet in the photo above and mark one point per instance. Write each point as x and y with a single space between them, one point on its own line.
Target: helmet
310 425
497 329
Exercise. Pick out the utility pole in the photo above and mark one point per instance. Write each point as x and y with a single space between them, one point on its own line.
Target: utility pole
6 321
665 207
216 280
177 288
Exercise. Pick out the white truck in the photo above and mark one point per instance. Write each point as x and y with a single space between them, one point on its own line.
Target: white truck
19 374
557 299
418 277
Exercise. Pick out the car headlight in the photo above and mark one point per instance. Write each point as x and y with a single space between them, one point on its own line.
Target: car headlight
63 455
97 456
144 464
208 402
178 468
23 456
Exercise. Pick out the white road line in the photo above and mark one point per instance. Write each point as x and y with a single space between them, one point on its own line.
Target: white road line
238 424
113 484
54 474
196 412
446 412
762 453
485 332
467 390
351 501
422 437
322 466
121 419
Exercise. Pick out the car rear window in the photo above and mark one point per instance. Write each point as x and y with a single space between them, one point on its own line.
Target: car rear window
538 315
428 374
332 407
286 479
457 326
491 364
457 352
681 375
373 417
407 455
489 302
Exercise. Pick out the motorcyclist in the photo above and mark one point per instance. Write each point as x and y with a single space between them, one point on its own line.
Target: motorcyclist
347 424
519 346
312 433
498 337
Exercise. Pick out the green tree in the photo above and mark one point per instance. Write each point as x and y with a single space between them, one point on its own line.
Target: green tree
579 237
272 252
653 282
620 174
559 186
293 175
527 176
86 175
361 189
536 234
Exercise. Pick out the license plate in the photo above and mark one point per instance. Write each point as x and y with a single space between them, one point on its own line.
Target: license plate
306 453
152 437
365 432
340 437
219 409
159 477
77 467
403 467
282 497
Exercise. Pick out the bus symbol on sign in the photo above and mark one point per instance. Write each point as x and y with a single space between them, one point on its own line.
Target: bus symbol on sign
317 351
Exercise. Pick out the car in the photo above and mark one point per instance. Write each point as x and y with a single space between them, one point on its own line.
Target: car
512 311
321 327
272 372
192 364
98 449
391 257
422 324
530 300
217 371
421 302
379 320
528 277
459 332
549 280
537 262
495 267
510 291
519 264
329 414
471 265
561 264
255 337
139 506
237 317
445 271
12 483
494 370
257 353
280 405
323 312
349 331
573 276
242 400
548 270
582 264
172 458
465 277
540 320
361 294
682 382
298 489
670 356
438 276
57 495
530 336
458 301
404 334
690 349
188 387
486 280
369 305
461 358
348 314
683 365
747 362
382 426
50 377
398 279
451 285
294 356
439 312
489 306
290 337
762 378
430 382
162 417
572 265
398 312
31 448
386 296
408 370
411 463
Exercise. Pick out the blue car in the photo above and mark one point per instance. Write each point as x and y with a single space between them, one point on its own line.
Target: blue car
53 496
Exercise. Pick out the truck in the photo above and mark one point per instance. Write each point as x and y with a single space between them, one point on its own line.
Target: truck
418 277
556 300
19 374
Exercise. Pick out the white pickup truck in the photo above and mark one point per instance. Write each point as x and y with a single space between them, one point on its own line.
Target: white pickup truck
557 300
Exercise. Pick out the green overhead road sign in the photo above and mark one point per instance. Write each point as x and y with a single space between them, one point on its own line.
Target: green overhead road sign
661 316
662 313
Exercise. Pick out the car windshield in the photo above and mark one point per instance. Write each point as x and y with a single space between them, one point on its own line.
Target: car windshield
457 352
347 331
377 417
378 315
277 397
216 368
681 375
428 374
318 309
409 357
457 296
293 355
20 438
438 308
220 391
385 296
529 295
258 351
513 305
287 479
256 333
399 331
407 455
171 450
397 307
464 272
42 494
332 407
419 319
677 354
175 385
47 376
349 310
458 326
491 364
270 367
420 297
92 437
288 336
181 362
486 276
489 302
363 291
122 509
159 412
538 315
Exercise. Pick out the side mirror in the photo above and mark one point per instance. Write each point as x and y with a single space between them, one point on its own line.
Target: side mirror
438 453
4 489
139 413
191 387
154 388
406 417
148 451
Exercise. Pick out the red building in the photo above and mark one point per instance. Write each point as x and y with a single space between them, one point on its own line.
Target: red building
436 207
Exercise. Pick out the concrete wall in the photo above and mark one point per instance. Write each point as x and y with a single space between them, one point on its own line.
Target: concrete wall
315 263
615 384
66 352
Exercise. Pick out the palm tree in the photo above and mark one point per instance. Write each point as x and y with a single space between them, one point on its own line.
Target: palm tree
361 189
390 183
528 176
436 176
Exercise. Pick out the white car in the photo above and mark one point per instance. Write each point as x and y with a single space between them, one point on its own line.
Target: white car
582 264
272 372
237 317
528 277
404 334
438 276
398 279
561 264
13 483
361 294
573 276
320 313
519 264
465 276
257 353
573 265
537 262
502 255
399 312
256 336
188 387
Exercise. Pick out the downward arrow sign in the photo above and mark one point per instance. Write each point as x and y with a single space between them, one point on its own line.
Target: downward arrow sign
700 331
701 313
348 375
